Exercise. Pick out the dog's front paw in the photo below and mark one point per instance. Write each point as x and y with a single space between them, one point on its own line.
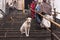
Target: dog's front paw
27 35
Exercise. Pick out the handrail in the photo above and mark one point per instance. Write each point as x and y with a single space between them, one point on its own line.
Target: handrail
2 12
53 23
47 19
50 21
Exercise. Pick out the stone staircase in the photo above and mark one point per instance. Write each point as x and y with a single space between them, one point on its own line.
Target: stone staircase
34 35
9 30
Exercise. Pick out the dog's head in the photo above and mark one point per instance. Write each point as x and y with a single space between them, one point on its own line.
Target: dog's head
29 20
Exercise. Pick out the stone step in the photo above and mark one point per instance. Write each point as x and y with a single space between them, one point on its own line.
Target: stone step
18 34
26 38
34 35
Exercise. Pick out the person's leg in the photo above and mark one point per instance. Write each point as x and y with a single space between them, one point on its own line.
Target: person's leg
38 19
32 14
42 14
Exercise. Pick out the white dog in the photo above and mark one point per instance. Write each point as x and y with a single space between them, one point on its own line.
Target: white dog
25 28
45 22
